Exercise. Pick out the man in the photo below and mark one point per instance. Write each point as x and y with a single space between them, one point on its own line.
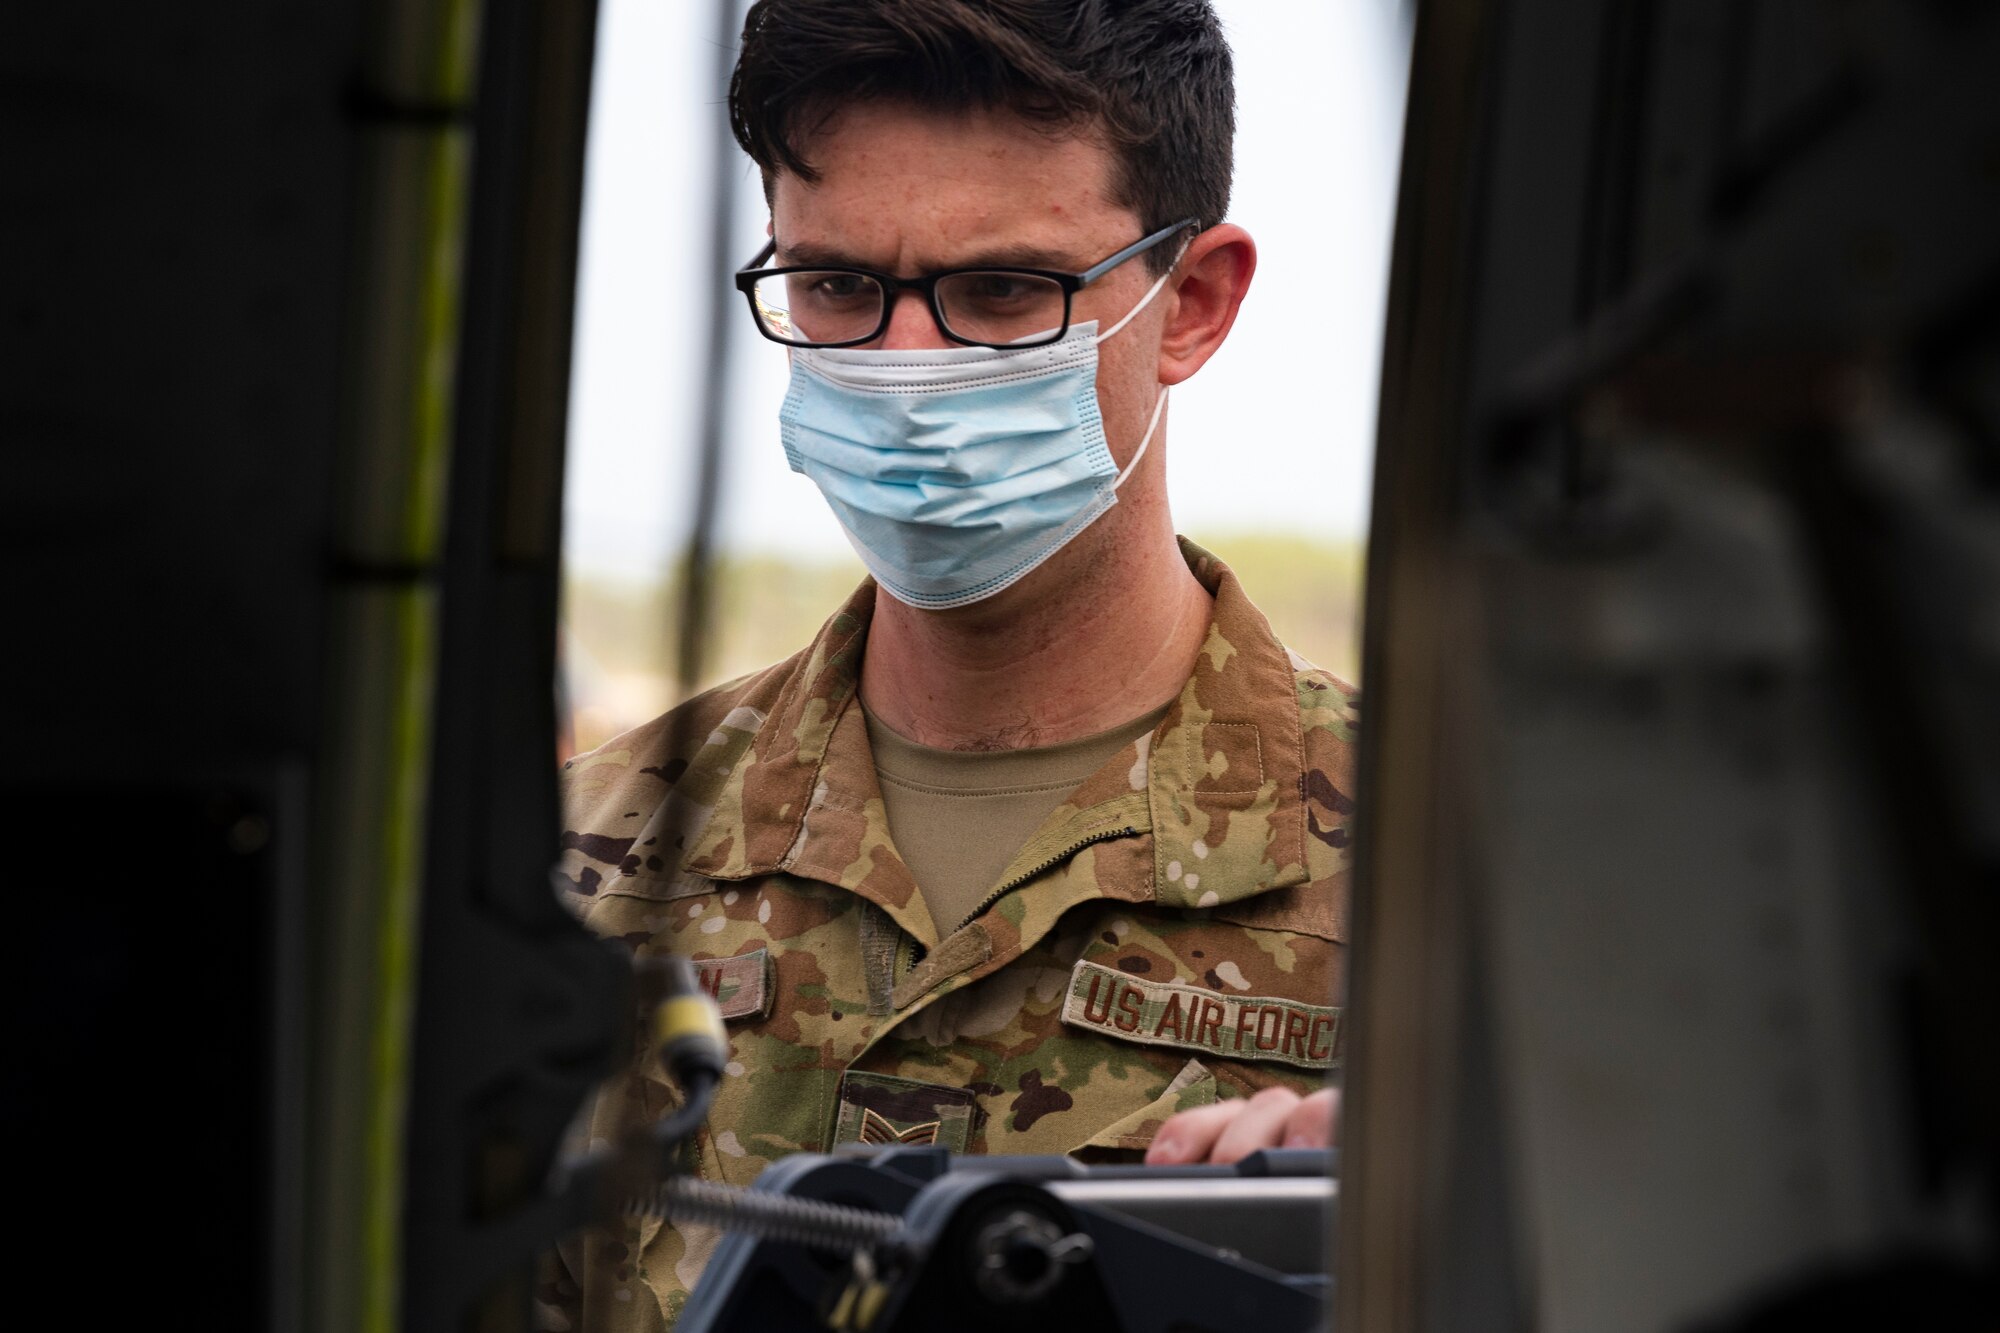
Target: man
1040 846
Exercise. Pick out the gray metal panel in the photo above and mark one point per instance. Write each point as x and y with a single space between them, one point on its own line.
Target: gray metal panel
1679 781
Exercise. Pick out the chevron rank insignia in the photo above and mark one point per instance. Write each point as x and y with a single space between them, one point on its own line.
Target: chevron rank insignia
884 1109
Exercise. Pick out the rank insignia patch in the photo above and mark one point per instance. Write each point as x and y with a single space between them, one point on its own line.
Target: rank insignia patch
883 1109
1239 1027
740 986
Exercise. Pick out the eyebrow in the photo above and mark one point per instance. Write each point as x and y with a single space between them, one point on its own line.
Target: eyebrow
1006 257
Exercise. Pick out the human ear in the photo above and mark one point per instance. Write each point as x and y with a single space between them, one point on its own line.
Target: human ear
1209 287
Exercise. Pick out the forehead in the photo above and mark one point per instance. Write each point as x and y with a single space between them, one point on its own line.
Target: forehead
899 185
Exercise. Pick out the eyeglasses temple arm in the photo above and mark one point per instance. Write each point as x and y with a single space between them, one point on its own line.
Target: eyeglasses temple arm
1138 247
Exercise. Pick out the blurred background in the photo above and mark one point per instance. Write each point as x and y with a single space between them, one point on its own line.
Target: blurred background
1271 443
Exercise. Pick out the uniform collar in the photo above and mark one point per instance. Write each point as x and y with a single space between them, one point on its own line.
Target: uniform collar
1218 785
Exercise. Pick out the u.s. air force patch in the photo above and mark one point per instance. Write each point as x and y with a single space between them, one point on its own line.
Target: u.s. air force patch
1241 1027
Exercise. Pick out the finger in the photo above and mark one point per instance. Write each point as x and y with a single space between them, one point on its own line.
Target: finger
1314 1122
1261 1125
1187 1136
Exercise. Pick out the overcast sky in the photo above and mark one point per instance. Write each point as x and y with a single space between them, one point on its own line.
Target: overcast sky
1274 434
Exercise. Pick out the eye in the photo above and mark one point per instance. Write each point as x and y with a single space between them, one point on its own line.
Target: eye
840 286
999 288
831 289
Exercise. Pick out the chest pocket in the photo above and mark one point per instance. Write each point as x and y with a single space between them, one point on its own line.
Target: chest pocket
1042 1086
756 944
1132 1133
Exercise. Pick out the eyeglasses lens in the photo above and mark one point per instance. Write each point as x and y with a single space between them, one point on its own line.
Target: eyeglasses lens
835 306
1000 307
819 307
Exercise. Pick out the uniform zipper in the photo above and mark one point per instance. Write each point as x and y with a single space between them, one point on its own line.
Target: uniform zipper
915 951
986 904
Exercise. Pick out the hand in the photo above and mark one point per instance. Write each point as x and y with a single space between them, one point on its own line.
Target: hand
1225 1132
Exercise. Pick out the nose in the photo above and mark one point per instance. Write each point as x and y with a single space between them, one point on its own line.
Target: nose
911 325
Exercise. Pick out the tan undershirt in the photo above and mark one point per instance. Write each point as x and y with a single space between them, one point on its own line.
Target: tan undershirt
958 816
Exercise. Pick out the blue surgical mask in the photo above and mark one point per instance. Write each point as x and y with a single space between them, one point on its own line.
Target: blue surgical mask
956 472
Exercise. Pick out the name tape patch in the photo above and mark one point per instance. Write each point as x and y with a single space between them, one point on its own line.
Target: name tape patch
1241 1027
740 986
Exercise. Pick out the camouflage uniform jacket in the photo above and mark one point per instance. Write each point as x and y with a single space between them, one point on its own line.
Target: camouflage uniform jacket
1172 934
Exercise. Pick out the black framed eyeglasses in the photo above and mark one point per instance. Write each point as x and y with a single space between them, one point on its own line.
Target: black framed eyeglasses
981 307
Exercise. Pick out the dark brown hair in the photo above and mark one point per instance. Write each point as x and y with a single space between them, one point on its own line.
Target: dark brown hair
1151 78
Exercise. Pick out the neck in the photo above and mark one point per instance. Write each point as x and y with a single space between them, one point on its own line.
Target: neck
1106 631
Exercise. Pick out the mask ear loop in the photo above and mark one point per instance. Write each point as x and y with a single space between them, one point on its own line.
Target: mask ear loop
1159 407
1151 292
1144 301
1159 403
